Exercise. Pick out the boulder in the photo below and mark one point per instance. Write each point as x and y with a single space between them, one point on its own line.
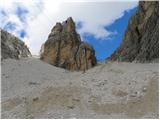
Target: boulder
12 47
141 39
65 49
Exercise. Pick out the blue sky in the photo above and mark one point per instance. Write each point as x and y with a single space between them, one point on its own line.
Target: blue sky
14 23
106 47
102 24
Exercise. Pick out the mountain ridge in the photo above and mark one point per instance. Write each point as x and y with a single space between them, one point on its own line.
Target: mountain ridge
12 46
140 41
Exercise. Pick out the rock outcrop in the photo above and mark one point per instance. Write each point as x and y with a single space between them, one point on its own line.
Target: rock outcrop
12 47
141 39
65 49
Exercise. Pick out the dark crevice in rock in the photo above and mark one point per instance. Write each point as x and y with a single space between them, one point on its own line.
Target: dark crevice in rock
57 61
76 57
86 58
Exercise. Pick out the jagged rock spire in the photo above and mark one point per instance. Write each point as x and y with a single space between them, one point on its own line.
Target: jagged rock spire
65 49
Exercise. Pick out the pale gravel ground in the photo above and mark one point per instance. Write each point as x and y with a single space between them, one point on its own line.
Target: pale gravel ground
34 89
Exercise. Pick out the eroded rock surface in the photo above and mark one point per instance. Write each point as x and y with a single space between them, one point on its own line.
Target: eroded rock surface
65 49
141 39
12 47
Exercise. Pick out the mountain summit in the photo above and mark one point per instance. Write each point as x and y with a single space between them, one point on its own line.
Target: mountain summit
65 49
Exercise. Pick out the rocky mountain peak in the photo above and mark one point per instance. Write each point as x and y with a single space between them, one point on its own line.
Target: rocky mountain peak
66 26
57 28
65 49
69 25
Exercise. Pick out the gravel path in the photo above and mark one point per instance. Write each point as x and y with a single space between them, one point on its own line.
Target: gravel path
34 89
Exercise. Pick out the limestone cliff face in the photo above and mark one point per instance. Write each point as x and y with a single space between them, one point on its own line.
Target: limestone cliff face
65 49
141 39
12 47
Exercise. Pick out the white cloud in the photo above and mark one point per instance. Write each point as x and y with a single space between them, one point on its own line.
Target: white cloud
44 14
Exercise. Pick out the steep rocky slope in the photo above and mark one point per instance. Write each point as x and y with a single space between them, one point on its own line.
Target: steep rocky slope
141 39
65 49
32 88
12 47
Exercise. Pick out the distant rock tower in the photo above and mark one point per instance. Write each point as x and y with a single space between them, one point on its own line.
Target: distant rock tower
65 49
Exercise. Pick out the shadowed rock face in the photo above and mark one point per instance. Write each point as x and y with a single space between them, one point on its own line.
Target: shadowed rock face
65 49
141 39
12 47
